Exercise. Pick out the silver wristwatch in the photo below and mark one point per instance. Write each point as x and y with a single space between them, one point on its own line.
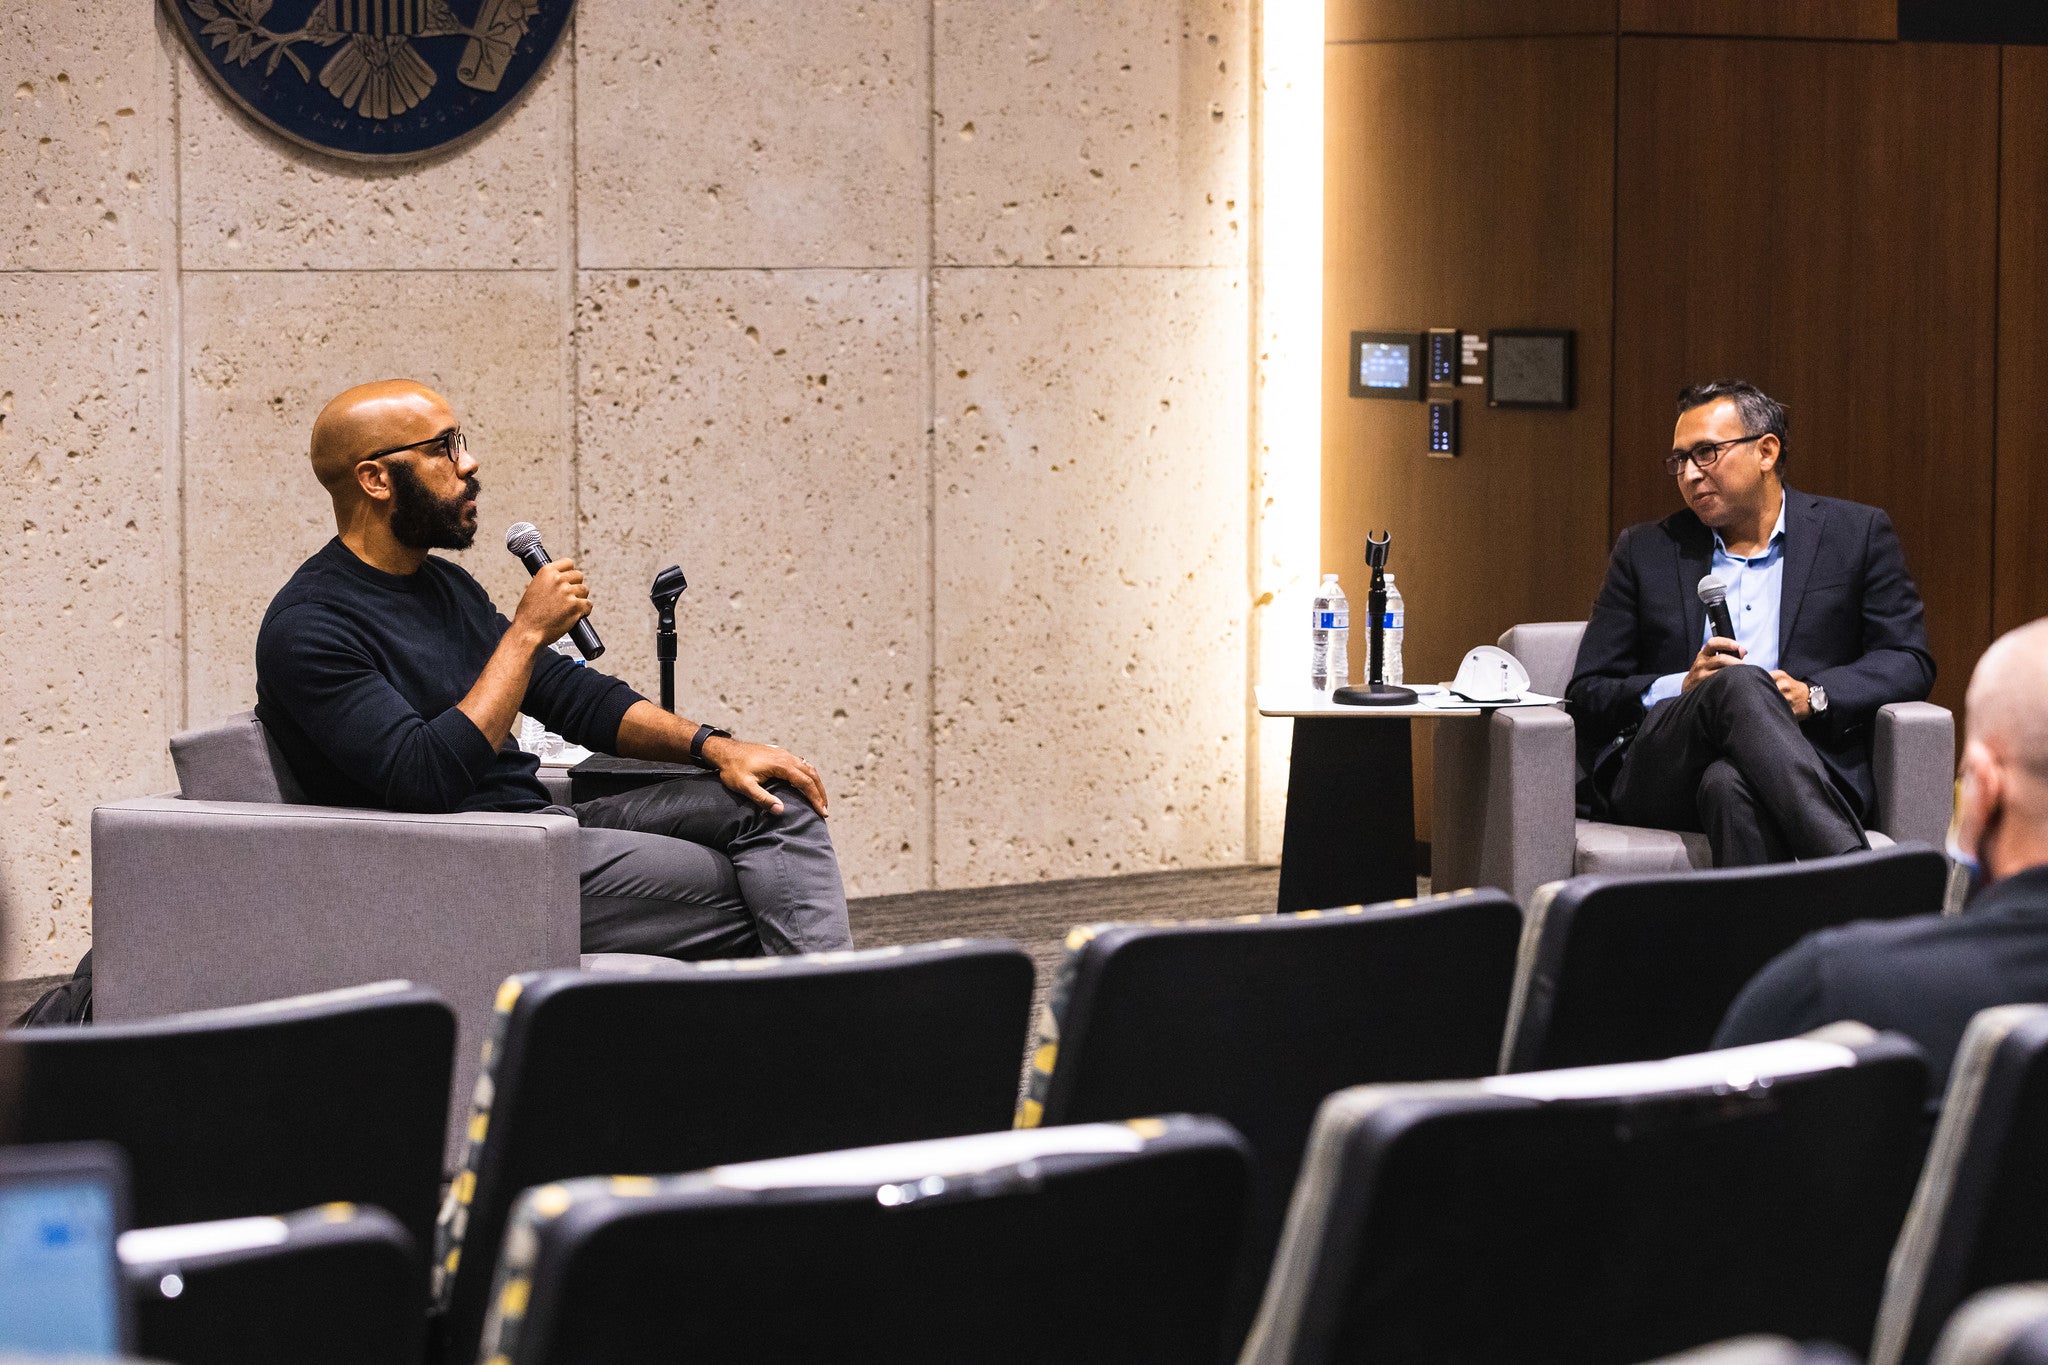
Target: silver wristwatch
1816 698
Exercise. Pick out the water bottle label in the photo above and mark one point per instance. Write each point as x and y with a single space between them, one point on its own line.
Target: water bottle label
1391 621
1333 620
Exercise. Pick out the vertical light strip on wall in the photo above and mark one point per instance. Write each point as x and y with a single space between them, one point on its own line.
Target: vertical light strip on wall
1287 414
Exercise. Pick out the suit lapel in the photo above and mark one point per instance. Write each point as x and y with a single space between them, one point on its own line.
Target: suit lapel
1695 558
1803 521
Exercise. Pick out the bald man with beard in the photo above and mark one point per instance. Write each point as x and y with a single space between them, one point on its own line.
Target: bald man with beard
388 680
1926 976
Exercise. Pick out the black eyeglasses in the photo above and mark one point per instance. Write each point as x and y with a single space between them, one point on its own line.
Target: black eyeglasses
454 445
1705 453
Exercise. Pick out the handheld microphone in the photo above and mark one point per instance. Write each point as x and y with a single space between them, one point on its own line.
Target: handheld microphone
524 542
1714 596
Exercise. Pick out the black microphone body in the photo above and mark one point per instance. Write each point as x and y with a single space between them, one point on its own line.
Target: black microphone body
1714 596
530 552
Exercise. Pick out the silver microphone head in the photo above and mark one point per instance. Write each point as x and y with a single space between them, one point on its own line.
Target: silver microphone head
1712 590
521 537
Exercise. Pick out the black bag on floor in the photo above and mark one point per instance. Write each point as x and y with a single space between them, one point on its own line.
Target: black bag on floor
67 1003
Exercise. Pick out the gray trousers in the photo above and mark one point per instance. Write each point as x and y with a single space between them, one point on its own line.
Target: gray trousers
687 869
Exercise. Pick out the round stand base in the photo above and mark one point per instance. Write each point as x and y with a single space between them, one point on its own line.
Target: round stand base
1374 694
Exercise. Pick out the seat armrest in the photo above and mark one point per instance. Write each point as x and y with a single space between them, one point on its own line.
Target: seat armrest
199 904
1503 807
1913 755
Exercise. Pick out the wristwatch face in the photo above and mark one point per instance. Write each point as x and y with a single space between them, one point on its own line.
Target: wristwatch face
1817 697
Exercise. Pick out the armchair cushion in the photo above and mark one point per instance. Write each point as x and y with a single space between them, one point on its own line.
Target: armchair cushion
1549 650
1913 757
235 760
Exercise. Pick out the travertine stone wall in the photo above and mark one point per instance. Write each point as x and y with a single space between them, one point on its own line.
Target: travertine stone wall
915 330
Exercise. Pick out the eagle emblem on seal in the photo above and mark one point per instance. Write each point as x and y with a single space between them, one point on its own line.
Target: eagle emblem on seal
376 61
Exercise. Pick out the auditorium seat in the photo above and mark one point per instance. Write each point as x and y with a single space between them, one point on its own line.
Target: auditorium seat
259 1108
233 890
1622 969
1255 1020
2005 1326
1605 1215
1101 1243
683 1066
1505 792
1981 1215
336 1285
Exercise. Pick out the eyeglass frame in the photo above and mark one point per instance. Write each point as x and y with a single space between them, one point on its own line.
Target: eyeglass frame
454 445
1675 461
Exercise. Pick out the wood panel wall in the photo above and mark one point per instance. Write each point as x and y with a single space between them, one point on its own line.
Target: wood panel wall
1858 225
1839 253
2020 564
1867 19
1414 131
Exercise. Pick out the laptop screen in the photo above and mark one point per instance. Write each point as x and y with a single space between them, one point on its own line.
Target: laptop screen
60 1286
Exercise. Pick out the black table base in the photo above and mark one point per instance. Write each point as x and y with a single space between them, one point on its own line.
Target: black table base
1350 837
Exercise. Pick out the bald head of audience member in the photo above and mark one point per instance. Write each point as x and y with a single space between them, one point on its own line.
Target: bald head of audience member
2002 788
392 456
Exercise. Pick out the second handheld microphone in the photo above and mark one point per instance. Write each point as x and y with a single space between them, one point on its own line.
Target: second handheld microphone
524 541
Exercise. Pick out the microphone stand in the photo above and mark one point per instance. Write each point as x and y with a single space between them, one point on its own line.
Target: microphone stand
668 586
1376 691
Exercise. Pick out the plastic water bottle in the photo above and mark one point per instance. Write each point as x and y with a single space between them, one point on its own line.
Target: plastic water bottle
547 744
1391 626
1330 629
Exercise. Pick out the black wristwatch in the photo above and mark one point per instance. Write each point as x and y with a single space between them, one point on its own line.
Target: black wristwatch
705 732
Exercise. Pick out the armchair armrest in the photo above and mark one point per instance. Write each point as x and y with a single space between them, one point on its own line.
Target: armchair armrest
1913 757
198 904
1504 804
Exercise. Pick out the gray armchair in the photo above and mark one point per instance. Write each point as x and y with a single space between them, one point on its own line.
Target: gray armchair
1504 808
233 891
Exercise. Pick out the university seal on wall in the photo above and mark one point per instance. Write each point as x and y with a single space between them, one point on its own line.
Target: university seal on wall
371 79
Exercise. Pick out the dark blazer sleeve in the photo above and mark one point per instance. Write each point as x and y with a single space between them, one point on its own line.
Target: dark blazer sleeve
1896 664
1611 675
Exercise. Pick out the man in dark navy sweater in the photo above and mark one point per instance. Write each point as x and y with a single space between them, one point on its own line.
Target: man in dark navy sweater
389 680
1927 975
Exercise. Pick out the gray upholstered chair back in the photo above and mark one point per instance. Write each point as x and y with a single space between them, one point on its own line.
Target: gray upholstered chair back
235 760
1549 650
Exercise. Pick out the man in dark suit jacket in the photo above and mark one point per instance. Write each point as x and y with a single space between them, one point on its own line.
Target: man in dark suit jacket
1761 741
1927 975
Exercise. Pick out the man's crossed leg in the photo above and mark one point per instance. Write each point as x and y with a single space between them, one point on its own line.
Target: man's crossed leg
1727 758
688 869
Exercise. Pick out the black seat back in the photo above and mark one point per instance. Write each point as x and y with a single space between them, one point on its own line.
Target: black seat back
1622 969
337 1285
1980 1217
1257 1020
1603 1216
690 1065
1102 1243
341 1096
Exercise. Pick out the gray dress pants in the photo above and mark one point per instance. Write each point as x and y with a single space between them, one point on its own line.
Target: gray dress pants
687 869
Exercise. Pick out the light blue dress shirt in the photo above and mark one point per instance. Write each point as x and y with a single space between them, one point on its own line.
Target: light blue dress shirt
1754 589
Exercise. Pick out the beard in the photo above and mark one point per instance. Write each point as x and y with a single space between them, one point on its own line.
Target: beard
421 521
